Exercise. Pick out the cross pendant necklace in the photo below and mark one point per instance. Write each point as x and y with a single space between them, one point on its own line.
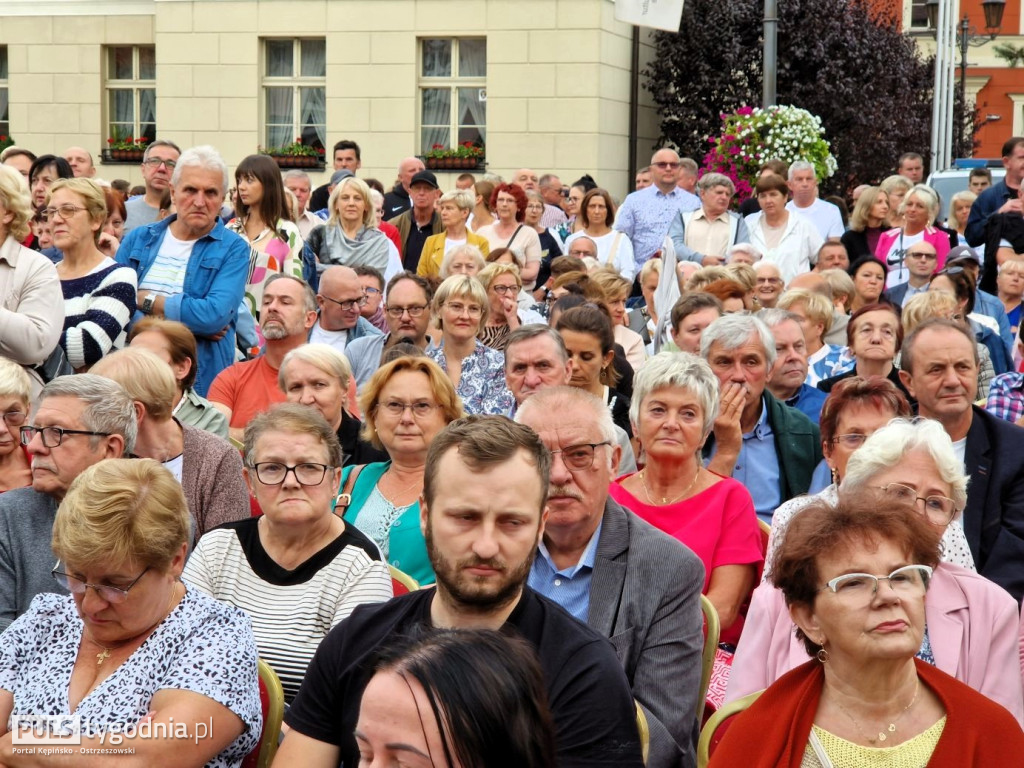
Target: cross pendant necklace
101 657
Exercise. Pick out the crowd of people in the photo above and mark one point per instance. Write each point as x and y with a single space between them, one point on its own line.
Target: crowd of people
236 416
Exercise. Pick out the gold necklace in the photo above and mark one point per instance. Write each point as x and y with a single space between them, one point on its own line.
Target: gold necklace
105 653
665 499
398 494
892 726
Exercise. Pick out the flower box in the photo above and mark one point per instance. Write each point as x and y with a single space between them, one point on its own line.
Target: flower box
453 163
297 161
127 156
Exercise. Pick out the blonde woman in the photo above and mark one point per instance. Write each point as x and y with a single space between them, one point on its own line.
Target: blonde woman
870 218
454 208
502 283
15 405
616 290
896 188
350 237
959 211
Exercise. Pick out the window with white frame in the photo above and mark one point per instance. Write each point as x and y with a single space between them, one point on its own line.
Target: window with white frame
130 82
5 124
295 92
918 15
453 92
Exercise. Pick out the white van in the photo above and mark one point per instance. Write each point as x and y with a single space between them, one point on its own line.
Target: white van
948 183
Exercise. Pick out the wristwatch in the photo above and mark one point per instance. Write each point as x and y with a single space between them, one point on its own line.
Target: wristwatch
147 304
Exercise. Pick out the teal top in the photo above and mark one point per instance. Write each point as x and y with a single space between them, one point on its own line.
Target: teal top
407 550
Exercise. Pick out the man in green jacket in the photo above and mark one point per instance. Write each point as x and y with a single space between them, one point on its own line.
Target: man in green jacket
768 446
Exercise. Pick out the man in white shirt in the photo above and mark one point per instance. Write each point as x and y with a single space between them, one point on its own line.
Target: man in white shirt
340 300
803 184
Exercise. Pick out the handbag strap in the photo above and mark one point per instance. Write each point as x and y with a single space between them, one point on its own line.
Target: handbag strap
344 499
509 243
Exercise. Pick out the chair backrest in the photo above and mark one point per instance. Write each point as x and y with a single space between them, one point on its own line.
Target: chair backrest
402 583
766 532
712 630
643 730
272 704
714 730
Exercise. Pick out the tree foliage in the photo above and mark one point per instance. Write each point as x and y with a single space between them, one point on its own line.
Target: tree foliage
836 58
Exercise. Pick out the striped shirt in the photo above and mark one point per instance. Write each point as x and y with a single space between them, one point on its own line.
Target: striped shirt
166 276
291 611
97 310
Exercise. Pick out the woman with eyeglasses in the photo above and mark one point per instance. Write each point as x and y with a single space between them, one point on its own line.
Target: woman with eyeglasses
262 219
874 335
476 371
889 620
503 283
298 569
15 405
406 403
317 375
99 294
509 231
131 644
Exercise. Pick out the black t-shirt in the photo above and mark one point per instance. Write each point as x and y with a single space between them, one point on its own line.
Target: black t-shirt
413 245
589 696
319 199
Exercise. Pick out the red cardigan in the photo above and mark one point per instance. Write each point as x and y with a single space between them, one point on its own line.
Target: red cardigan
774 731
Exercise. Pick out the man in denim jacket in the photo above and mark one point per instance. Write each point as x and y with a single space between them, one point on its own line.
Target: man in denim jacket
190 267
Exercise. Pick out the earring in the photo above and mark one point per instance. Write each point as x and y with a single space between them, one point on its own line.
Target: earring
822 655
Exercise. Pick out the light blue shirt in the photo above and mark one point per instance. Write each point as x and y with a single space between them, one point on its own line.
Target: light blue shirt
757 467
569 587
645 216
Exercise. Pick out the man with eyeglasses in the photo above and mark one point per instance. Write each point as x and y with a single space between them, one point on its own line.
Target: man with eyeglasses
250 387
482 512
646 214
939 367
158 163
189 266
921 259
373 288
340 304
407 308
80 421
616 573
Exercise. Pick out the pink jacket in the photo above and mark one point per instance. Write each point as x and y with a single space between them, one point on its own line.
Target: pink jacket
936 237
972 625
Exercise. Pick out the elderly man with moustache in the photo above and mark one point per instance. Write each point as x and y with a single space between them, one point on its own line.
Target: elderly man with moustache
482 511
765 444
627 580
80 421
551 190
939 362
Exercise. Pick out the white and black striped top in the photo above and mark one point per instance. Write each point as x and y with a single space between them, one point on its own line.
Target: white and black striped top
291 611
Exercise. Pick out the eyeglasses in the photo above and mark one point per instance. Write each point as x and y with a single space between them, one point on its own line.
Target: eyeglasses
939 510
156 162
106 592
66 211
579 457
54 436
420 409
581 254
471 309
851 441
908 581
274 472
414 310
370 291
14 418
768 280
664 165
505 290
350 304
925 256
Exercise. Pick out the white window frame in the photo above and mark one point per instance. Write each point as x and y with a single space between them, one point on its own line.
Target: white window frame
136 84
908 17
453 82
5 121
296 82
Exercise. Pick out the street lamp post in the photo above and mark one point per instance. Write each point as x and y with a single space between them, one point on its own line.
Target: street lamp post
966 37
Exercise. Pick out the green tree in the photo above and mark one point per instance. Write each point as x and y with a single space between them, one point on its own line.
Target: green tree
838 59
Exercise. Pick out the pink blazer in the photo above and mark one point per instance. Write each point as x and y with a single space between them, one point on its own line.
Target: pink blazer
973 627
936 237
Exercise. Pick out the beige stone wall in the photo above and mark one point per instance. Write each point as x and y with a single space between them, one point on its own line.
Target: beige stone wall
557 83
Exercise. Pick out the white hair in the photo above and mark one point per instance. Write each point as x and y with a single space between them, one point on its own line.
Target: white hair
206 158
801 165
733 331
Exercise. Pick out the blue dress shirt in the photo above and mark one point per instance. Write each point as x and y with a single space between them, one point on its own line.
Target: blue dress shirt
569 587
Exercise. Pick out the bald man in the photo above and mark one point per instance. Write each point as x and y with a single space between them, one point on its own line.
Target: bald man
339 302
81 162
397 202
526 178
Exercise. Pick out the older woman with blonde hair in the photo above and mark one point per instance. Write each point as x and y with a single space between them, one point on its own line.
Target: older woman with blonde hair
462 260
616 291
318 375
502 282
299 569
406 403
350 236
32 313
15 405
454 208
477 371
132 643
870 218
918 210
208 467
896 188
99 294
959 211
